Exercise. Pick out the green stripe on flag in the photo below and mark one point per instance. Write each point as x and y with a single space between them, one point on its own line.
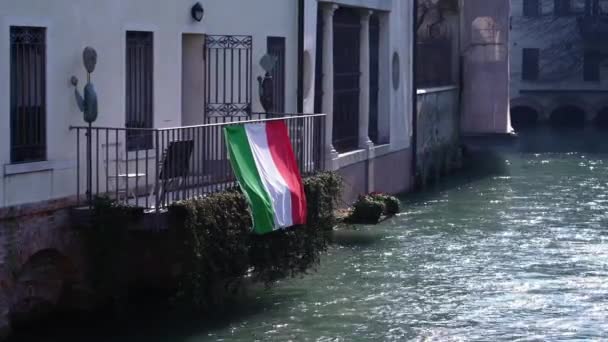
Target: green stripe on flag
249 178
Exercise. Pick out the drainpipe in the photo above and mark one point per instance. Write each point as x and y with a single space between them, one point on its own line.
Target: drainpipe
300 95
414 91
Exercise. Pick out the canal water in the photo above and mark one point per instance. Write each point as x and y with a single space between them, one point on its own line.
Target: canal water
521 254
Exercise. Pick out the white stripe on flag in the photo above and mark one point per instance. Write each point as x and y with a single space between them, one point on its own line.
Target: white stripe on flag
274 183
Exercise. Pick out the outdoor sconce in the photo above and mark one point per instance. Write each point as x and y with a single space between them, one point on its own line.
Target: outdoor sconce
197 12
266 83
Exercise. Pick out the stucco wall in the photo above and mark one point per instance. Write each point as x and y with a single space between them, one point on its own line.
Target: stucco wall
73 24
485 51
388 173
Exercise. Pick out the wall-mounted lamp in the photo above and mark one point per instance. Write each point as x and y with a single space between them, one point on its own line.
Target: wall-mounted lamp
197 12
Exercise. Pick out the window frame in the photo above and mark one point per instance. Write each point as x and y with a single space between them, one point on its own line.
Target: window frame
33 77
591 66
139 140
528 5
530 73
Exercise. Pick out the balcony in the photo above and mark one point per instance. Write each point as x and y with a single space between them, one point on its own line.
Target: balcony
179 163
593 28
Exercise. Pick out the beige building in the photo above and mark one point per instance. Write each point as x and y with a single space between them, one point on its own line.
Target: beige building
558 54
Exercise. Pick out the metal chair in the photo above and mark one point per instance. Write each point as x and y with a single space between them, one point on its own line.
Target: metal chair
174 169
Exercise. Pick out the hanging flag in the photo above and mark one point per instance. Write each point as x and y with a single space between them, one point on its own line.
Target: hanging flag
265 166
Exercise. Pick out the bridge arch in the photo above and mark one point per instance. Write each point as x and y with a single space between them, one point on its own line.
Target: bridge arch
523 117
40 284
601 117
568 115
525 112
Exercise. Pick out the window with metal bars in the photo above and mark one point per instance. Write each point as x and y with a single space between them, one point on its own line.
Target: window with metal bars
530 64
562 7
276 48
591 66
139 89
28 93
532 8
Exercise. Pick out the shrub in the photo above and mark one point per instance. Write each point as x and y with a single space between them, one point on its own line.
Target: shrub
367 210
370 208
217 248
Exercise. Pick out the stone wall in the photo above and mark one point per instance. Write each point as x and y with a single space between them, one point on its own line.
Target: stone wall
438 137
40 258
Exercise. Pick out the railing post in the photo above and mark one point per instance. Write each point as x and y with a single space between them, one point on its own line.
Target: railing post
89 166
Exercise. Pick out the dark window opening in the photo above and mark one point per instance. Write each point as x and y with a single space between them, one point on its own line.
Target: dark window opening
530 64
562 7
532 8
276 48
347 29
28 93
591 66
139 89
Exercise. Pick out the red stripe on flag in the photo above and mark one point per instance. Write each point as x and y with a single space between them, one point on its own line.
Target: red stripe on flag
285 161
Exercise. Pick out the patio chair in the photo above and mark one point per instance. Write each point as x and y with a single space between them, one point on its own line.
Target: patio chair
174 169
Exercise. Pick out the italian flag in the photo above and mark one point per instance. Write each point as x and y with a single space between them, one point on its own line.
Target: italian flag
265 166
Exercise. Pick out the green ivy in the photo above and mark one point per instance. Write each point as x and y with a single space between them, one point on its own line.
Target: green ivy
368 209
218 250
106 245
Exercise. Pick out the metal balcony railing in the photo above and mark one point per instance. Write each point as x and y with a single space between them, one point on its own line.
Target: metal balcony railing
181 163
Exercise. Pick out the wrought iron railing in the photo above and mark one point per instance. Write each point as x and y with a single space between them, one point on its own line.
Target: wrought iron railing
183 163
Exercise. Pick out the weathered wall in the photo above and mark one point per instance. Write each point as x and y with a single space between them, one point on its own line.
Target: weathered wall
73 24
39 256
438 136
485 53
388 173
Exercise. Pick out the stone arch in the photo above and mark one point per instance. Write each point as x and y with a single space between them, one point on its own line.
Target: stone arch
572 102
40 284
525 112
524 116
601 117
568 115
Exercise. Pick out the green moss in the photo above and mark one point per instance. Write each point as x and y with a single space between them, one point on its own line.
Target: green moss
217 248
368 209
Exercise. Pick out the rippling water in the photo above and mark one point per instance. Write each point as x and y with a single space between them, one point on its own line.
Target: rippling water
517 256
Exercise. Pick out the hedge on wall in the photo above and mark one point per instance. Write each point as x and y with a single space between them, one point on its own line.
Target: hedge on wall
217 249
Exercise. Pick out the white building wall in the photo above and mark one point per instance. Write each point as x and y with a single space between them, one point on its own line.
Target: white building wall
74 24
395 103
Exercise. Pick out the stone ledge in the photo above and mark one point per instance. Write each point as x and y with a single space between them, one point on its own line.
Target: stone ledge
49 165
36 208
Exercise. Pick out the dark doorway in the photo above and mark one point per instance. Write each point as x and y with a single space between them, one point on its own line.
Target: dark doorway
568 117
347 27
523 117
276 48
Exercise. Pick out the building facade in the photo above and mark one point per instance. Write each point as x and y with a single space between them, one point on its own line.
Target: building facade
559 64
163 79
